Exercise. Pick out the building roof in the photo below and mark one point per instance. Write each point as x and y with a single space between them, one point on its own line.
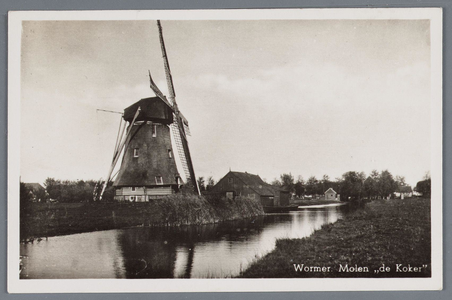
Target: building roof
152 109
34 186
330 190
255 183
404 189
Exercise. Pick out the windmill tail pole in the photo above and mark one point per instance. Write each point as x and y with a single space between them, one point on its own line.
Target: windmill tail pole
117 153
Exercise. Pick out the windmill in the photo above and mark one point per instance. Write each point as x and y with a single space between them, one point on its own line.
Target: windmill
148 168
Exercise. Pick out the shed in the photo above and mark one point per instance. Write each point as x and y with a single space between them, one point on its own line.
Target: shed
330 194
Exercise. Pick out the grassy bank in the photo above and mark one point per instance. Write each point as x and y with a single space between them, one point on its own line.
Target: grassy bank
395 233
50 219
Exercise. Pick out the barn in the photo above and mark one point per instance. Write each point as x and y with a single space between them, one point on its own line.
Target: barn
249 185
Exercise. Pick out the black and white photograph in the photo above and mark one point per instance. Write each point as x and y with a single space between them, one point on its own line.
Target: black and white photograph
225 150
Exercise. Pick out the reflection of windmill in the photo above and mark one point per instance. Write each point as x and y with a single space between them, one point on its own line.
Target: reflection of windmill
148 165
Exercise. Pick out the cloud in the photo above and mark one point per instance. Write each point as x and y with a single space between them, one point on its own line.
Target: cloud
338 120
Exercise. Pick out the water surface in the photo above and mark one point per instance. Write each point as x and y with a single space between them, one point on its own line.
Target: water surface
207 251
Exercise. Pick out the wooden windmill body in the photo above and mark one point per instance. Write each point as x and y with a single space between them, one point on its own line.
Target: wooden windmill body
148 169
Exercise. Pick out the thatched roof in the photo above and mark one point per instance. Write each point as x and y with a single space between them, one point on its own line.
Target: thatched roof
34 186
152 109
404 189
252 181
152 160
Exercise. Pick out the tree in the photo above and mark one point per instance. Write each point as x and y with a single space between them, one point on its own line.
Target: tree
24 195
299 186
352 185
325 184
53 188
276 182
312 185
287 181
386 184
41 195
188 188
400 180
201 183
371 187
424 187
210 183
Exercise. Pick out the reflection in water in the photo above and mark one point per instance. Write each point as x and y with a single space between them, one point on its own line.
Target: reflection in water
93 255
217 250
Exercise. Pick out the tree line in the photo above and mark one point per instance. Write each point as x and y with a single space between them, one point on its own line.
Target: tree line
205 185
66 191
351 185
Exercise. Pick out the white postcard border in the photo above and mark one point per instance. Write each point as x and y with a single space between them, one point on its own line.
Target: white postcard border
15 285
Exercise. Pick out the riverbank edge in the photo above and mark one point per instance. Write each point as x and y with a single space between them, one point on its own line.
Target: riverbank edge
41 220
384 234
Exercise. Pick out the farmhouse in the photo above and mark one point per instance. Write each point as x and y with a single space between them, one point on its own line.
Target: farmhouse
37 191
403 191
249 185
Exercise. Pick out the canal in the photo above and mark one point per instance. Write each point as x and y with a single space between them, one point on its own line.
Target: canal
207 251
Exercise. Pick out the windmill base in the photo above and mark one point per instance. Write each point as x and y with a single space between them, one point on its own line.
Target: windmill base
142 194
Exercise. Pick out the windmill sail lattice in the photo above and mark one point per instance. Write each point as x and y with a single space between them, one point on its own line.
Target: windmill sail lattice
180 149
156 129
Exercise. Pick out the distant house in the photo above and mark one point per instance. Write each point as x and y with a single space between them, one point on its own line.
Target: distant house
403 191
330 194
37 191
235 184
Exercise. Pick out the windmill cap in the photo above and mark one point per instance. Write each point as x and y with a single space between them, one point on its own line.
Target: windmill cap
151 109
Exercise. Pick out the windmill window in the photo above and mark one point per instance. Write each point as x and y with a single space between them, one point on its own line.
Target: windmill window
135 152
158 180
154 130
231 180
134 189
170 154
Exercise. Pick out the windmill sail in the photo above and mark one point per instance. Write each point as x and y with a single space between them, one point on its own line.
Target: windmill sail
180 149
174 128
156 128
179 132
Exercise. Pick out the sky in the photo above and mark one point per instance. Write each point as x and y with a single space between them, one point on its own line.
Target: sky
309 97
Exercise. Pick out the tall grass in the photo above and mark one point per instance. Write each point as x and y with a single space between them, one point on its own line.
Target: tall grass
48 219
388 232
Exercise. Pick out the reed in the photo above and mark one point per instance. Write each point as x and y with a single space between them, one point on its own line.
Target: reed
50 219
